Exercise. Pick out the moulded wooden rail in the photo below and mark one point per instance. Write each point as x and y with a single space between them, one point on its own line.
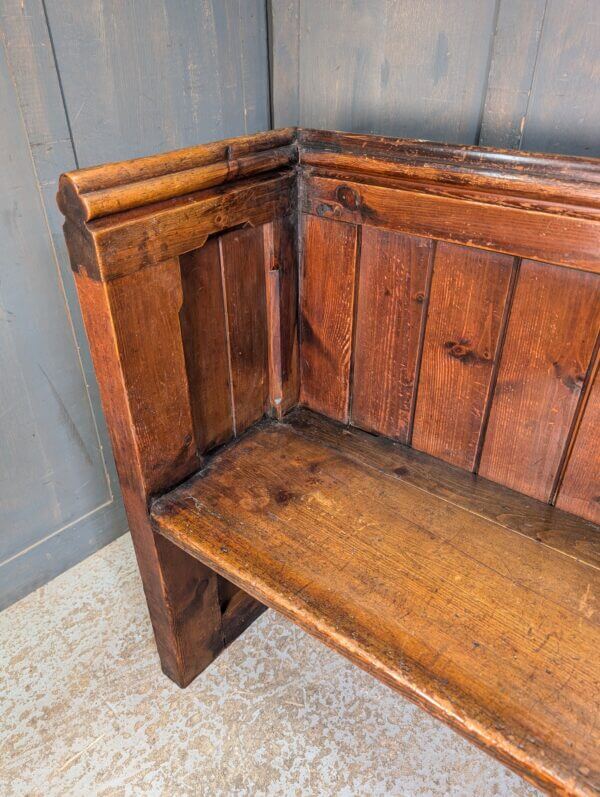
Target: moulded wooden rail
445 299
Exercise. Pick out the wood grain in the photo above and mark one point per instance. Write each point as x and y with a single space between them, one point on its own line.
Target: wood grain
391 306
281 275
550 338
534 519
326 309
469 291
580 489
566 240
243 265
181 593
205 342
412 588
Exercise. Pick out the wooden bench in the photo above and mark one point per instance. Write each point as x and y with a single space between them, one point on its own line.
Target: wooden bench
355 379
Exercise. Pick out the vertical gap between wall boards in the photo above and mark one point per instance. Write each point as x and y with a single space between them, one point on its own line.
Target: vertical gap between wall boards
506 313
586 389
421 342
227 335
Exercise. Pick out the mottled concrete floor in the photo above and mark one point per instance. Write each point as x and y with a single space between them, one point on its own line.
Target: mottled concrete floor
85 710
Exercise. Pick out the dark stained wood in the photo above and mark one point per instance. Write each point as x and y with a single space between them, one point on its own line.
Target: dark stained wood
474 600
545 524
326 314
181 592
76 188
467 305
282 304
550 339
204 334
286 265
580 488
145 319
243 259
391 305
414 589
125 242
570 241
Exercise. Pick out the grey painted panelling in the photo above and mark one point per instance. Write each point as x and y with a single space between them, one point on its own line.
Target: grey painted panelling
521 74
137 77
512 67
144 76
416 69
564 109
51 468
285 62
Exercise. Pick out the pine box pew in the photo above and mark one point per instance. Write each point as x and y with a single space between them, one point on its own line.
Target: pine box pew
355 379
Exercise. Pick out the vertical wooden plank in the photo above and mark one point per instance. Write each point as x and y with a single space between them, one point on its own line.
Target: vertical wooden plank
286 264
284 35
580 489
467 304
273 322
243 267
145 308
132 329
204 334
326 313
514 53
563 113
553 326
389 317
413 69
162 75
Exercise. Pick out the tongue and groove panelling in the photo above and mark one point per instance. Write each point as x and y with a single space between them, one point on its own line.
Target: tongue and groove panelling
549 344
472 356
467 306
227 333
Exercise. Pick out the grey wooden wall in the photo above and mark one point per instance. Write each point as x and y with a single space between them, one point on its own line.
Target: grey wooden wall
82 84
521 74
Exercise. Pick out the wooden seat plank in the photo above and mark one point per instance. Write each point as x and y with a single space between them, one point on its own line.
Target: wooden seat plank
494 633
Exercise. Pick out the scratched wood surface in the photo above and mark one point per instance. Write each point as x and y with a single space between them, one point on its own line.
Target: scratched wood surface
390 315
326 315
291 520
553 325
467 309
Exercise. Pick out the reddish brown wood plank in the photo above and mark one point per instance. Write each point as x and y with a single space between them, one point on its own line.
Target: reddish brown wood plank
580 489
286 263
145 313
204 333
467 305
282 315
243 265
127 322
573 242
553 326
390 312
326 307
488 630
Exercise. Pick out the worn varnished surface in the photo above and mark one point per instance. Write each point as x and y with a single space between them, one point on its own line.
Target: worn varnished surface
413 588
86 711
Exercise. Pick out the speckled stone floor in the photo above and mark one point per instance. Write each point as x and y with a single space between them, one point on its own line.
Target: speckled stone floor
85 709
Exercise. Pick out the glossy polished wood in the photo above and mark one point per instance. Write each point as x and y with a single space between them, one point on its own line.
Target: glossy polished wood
413 588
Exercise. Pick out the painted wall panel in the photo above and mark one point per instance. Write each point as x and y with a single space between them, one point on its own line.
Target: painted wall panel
82 85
